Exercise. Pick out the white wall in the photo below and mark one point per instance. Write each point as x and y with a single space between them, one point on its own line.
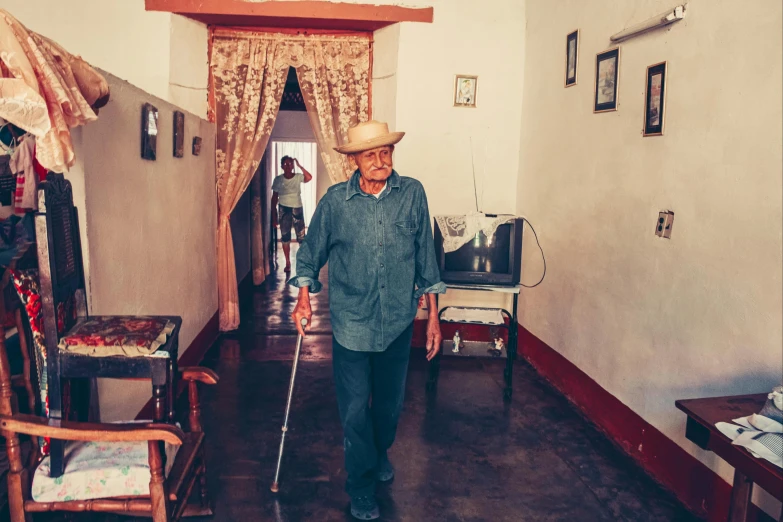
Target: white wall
163 54
148 227
414 69
655 320
188 65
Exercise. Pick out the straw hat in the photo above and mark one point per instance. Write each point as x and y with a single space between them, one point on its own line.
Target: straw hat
369 135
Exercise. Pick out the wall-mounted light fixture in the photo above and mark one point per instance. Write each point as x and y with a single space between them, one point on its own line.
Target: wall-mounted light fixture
664 19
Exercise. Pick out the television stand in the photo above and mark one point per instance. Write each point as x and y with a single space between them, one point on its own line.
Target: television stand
495 318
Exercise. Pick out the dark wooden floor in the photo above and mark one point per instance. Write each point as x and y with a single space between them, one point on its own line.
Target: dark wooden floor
461 455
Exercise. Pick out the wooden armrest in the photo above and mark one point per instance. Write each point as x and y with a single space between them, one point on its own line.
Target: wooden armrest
195 374
198 373
87 431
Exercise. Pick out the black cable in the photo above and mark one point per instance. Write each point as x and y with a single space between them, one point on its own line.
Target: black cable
542 254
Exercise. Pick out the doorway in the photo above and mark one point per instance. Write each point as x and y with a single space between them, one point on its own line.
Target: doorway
306 152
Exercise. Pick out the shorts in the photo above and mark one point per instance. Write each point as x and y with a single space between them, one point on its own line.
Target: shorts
288 216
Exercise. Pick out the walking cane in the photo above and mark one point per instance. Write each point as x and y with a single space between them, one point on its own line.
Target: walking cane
274 487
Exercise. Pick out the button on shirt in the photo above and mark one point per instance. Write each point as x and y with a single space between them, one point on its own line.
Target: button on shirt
381 259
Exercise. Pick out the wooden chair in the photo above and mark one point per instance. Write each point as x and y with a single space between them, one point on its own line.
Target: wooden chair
24 258
167 497
64 313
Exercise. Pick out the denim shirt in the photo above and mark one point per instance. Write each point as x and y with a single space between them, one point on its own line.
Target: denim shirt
381 257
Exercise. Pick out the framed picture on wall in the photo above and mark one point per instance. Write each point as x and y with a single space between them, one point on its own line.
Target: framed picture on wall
607 75
196 145
465 88
179 134
149 131
654 100
572 58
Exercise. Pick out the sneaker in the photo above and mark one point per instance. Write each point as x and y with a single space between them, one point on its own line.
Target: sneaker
365 508
385 472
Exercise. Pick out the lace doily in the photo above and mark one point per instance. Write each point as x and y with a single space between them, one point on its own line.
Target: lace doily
458 230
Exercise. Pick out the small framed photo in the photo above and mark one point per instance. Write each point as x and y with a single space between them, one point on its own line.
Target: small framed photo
149 131
465 91
179 134
654 100
607 75
196 145
572 58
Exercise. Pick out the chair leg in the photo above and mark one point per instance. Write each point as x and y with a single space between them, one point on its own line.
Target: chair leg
158 496
17 481
28 383
206 505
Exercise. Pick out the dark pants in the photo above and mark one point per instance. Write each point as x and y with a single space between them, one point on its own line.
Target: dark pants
369 430
288 216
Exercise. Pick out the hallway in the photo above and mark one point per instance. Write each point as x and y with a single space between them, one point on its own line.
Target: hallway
461 455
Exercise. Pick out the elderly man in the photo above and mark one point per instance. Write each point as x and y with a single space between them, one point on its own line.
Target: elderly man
374 231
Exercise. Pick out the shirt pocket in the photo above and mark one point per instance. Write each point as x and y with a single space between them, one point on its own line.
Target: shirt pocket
405 239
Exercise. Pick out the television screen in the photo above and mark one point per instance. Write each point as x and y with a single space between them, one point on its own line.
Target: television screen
483 254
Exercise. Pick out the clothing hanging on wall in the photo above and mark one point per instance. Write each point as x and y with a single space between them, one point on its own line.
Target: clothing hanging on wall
22 164
46 90
7 181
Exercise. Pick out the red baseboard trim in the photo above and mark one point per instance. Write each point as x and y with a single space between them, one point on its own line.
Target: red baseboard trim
192 356
698 487
202 343
694 484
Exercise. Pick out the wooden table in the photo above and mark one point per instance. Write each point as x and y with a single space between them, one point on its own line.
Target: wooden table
160 367
700 429
479 349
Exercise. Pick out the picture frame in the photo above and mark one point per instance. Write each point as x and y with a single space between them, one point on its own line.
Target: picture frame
196 145
607 79
655 100
571 58
465 90
179 134
149 131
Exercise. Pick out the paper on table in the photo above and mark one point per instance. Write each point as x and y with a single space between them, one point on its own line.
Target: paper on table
472 315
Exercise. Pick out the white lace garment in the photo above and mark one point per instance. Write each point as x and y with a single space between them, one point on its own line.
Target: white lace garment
458 230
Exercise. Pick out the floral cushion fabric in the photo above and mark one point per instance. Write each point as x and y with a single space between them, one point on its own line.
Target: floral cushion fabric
26 284
122 335
98 470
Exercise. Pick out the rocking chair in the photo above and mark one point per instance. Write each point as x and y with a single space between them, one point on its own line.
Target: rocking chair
111 462
70 344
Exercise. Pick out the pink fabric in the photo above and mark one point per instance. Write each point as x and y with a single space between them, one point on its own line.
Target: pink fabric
45 90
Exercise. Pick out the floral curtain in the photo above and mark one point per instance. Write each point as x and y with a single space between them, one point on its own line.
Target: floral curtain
334 77
248 78
45 90
258 204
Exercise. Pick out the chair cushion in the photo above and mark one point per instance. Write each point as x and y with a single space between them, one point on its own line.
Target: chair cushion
98 470
131 336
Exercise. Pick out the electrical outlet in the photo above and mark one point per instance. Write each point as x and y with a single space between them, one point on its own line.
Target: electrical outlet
668 224
663 227
659 224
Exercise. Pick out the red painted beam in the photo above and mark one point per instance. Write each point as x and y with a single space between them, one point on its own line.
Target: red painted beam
317 14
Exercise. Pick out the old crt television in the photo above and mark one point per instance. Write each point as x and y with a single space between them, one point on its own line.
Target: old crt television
484 260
